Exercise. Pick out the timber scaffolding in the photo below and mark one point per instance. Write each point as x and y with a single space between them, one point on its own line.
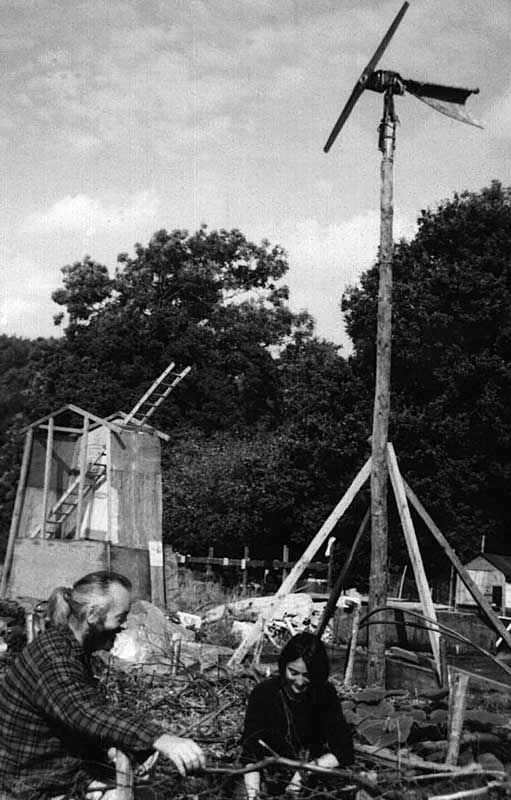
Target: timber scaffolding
89 497
405 499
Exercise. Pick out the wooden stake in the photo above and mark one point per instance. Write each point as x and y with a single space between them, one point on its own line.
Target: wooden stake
457 703
47 477
428 608
302 563
379 527
481 601
341 578
348 673
16 514
285 559
246 556
211 554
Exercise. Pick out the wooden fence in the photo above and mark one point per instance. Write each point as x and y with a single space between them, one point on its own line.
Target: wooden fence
244 564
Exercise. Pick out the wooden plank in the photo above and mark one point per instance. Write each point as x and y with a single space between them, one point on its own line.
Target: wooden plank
474 676
479 598
39 422
149 392
309 553
81 479
414 553
16 514
61 429
47 475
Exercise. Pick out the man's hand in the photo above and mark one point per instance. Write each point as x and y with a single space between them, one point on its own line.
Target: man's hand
185 753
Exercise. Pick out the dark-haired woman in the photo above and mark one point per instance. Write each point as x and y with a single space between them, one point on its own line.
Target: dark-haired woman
298 715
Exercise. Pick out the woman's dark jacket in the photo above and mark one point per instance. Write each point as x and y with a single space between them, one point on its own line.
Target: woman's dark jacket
302 728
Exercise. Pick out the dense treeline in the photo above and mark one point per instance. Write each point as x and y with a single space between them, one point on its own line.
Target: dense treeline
272 423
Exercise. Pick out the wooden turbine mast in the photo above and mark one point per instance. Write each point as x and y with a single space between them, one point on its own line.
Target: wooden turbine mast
448 100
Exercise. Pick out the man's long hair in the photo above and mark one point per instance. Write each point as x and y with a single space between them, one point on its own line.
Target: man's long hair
91 591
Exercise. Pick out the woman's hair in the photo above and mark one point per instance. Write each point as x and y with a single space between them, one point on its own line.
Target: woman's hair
307 646
93 590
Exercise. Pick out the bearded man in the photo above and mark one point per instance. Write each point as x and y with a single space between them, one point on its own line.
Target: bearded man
55 726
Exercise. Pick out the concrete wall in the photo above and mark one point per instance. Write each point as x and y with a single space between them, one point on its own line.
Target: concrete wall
39 566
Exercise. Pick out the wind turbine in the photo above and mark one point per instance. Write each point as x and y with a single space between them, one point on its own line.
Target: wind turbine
448 100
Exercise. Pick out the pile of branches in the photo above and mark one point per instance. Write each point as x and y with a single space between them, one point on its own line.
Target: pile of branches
209 707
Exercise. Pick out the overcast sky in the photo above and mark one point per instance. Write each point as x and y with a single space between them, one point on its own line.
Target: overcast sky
121 118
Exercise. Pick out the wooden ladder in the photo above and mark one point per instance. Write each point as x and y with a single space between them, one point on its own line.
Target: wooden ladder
68 501
156 395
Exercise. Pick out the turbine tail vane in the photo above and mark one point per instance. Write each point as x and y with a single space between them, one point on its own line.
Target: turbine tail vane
448 100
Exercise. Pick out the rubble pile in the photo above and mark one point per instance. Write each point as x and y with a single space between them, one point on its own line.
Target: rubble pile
418 727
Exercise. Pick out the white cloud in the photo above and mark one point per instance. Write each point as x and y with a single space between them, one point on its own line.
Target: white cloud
497 120
325 259
85 214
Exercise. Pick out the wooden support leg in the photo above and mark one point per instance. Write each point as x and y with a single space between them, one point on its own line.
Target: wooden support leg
302 563
341 578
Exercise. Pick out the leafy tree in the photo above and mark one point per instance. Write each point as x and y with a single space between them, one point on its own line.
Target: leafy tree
209 299
273 487
451 371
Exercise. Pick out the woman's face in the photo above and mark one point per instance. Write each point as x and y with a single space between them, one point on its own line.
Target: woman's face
296 677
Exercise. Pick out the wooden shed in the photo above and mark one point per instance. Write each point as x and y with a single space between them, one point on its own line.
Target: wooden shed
492 575
89 497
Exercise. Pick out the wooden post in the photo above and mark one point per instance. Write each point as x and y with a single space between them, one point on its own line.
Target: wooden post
244 569
16 514
444 667
402 582
481 601
428 609
81 477
157 573
285 559
379 527
331 562
350 663
47 476
302 563
452 589
457 703
341 578
211 554
112 531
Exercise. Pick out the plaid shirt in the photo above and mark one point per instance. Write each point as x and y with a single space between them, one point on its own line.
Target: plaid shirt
54 719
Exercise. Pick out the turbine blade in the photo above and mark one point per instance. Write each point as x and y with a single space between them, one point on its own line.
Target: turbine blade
361 83
454 110
449 94
348 108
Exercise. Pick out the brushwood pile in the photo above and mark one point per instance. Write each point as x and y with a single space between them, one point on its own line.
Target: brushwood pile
174 670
